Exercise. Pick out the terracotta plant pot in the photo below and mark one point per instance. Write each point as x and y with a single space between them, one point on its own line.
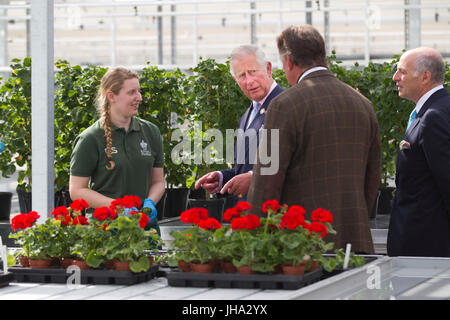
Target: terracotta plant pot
228 267
278 269
150 260
216 264
81 264
184 266
294 270
40 263
314 265
66 262
56 262
245 270
202 267
109 264
122 265
24 261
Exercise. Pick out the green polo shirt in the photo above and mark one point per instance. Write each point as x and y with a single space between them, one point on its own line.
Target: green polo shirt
135 154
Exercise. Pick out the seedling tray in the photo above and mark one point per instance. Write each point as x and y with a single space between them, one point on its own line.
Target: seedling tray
178 278
94 276
367 258
5 279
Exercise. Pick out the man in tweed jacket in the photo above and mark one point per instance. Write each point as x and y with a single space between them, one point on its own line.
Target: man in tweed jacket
329 143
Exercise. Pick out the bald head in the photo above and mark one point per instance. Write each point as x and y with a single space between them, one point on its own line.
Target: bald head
428 59
418 71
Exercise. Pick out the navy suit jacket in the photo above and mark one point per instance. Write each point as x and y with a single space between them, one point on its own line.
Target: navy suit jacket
247 165
420 218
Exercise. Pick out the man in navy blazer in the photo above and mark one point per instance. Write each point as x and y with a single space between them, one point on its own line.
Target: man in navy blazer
253 73
420 219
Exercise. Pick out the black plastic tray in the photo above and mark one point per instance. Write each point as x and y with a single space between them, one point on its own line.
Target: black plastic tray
367 258
5 279
91 276
178 278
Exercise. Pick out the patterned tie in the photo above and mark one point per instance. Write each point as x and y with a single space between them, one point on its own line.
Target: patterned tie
412 116
253 114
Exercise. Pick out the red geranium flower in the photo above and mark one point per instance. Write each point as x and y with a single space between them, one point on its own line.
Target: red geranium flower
33 216
297 209
322 215
61 210
194 215
131 201
112 213
65 219
80 220
209 223
293 219
270 204
102 213
19 222
243 206
318 228
249 222
24 220
144 220
230 213
79 205
116 203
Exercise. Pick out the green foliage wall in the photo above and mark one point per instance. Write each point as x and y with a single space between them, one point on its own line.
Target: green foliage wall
172 99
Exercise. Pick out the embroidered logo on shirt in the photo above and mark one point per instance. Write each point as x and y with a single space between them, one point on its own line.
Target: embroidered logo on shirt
113 150
144 149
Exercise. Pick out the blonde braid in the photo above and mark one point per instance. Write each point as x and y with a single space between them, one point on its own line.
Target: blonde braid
113 81
106 119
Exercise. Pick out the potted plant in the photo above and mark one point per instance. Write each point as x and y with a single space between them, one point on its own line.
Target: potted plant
301 242
129 241
67 236
179 251
201 247
87 249
39 242
250 240
22 222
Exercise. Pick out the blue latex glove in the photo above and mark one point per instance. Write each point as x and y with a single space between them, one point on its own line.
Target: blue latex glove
126 211
150 204
2 147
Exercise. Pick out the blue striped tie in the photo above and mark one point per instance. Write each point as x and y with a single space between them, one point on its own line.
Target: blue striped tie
253 114
411 118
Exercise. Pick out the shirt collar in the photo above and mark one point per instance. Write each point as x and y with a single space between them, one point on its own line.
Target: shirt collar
134 125
304 74
425 97
274 84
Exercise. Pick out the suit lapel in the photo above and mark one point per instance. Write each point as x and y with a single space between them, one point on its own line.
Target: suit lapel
259 119
435 96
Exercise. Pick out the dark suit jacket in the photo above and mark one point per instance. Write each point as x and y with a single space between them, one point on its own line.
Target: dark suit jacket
247 164
329 156
420 218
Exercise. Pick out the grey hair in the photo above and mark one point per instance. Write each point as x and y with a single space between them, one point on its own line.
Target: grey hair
433 63
245 50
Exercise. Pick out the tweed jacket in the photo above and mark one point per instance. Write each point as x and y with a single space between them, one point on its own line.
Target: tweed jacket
329 156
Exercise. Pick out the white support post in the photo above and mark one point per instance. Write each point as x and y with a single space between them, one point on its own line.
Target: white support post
413 24
42 107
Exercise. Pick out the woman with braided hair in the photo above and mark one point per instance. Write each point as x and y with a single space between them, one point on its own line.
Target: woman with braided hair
120 154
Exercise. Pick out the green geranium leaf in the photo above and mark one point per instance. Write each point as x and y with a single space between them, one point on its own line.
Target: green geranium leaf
94 260
141 265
